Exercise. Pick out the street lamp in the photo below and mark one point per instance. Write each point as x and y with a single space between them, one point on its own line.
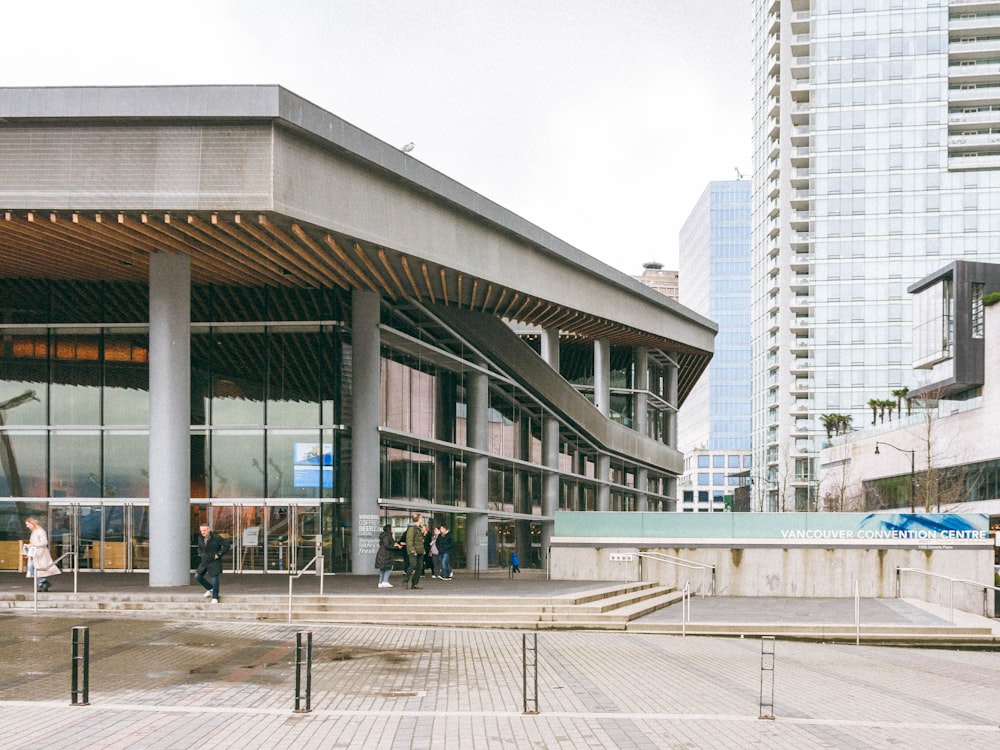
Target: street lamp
913 508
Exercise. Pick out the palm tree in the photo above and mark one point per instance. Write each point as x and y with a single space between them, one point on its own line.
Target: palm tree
900 394
844 423
873 403
829 421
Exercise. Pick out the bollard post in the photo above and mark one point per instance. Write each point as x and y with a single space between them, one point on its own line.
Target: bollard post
766 677
303 655
476 569
529 682
80 688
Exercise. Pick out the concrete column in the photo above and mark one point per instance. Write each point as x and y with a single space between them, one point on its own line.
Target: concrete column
550 347
477 425
169 419
641 495
602 376
641 385
603 470
550 482
670 433
365 461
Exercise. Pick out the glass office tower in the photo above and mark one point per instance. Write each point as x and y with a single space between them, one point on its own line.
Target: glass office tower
875 162
714 423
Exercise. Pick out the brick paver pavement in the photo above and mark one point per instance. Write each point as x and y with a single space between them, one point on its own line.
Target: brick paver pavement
172 684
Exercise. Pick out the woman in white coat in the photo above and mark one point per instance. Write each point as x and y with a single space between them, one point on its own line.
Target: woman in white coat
39 557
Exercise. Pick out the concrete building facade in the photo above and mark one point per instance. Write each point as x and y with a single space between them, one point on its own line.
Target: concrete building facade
227 304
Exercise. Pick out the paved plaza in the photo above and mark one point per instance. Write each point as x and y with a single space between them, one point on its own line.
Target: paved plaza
193 683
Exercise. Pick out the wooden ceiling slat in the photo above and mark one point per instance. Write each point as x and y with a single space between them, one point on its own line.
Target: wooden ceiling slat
57 256
387 265
427 280
313 264
444 285
336 273
409 277
472 294
271 251
513 301
236 254
362 279
363 257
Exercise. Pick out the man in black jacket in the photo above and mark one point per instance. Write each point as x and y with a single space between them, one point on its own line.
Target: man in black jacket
211 548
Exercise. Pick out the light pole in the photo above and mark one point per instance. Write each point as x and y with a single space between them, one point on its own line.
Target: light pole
913 508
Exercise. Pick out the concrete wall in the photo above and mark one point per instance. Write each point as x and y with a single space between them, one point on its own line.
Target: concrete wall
753 568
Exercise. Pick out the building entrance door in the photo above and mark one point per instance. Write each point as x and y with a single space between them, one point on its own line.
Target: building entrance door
267 537
107 536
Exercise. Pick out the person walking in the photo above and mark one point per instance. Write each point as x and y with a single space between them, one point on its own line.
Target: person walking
414 551
445 544
211 548
39 558
385 556
435 553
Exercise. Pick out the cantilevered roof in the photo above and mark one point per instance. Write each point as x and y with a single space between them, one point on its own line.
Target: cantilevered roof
261 188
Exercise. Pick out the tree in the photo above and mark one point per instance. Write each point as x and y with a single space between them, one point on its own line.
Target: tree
874 403
900 394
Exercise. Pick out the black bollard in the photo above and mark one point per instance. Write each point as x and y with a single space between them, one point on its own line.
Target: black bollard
303 655
80 689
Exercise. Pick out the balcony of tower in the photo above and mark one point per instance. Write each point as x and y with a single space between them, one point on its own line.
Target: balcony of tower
800 366
977 72
984 141
801 346
801 407
800 22
802 386
973 118
968 24
800 112
974 96
972 48
800 45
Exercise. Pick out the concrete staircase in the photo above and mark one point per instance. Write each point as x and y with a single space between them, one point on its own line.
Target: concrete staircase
604 608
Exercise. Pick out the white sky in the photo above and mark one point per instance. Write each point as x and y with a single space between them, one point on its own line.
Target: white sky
601 121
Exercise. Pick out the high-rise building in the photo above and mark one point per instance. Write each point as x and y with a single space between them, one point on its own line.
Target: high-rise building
876 161
714 423
660 279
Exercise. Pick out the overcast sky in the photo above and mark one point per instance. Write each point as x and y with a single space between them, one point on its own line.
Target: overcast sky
601 121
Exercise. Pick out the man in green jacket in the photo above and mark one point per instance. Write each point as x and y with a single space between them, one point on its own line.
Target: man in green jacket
414 541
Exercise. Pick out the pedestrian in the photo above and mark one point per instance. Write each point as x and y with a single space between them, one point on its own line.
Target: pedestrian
414 551
515 563
211 548
445 544
435 553
39 558
427 548
385 556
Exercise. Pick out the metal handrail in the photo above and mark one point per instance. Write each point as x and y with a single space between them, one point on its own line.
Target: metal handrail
951 588
682 563
318 559
34 579
685 607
